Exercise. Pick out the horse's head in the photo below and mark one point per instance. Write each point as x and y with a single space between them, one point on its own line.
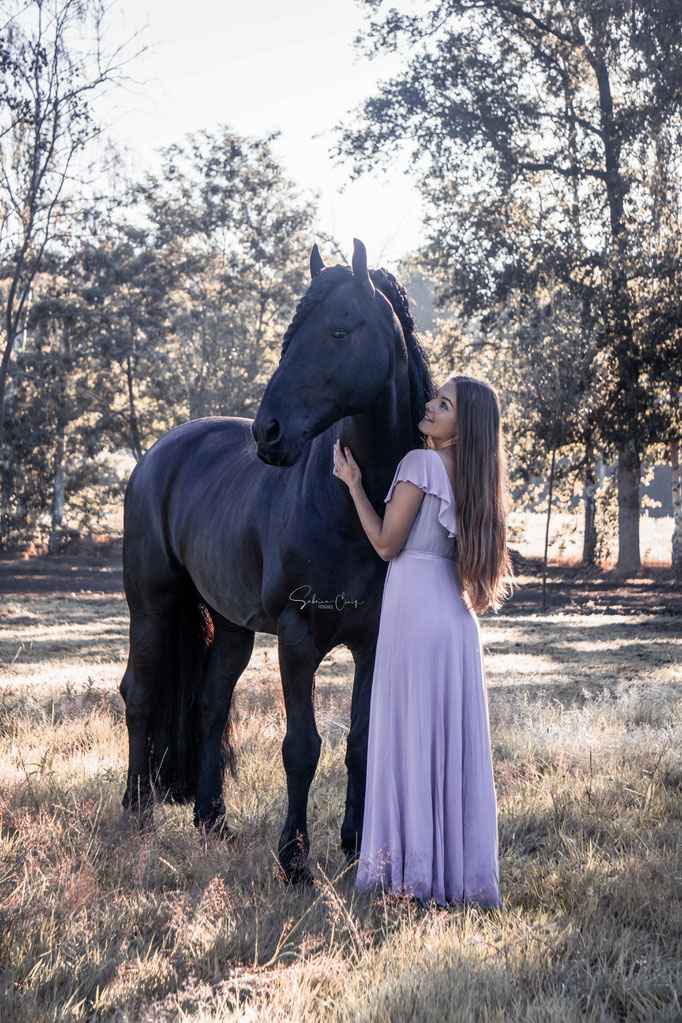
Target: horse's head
338 354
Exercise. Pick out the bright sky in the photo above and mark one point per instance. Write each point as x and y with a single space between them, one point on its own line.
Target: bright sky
257 65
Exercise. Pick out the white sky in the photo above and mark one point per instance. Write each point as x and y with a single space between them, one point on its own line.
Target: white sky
257 65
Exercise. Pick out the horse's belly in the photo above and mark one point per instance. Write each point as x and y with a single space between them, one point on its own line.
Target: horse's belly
231 584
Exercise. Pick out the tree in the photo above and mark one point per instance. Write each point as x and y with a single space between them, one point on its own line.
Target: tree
659 304
170 306
46 124
65 399
546 106
230 236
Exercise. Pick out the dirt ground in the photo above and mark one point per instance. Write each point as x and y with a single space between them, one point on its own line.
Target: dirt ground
96 568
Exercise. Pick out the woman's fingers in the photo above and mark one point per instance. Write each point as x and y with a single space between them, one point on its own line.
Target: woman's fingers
339 450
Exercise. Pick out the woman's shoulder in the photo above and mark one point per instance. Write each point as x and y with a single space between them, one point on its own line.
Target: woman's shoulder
413 467
417 455
415 462
419 466
426 457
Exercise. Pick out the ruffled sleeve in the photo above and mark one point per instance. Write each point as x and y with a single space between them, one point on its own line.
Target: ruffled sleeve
419 467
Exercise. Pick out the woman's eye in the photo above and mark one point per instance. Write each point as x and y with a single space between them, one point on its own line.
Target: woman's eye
338 333
442 404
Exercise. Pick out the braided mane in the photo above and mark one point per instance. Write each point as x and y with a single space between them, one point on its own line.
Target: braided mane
419 373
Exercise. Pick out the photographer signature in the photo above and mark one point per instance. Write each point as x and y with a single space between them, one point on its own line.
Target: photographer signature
337 604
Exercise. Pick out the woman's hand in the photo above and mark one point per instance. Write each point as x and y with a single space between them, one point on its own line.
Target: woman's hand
345 466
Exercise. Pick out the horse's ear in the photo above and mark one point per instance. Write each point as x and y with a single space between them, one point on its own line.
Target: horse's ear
360 272
316 263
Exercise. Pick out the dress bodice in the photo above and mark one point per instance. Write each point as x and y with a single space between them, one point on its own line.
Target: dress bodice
434 529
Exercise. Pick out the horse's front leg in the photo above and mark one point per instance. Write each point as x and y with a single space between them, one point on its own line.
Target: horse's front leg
298 660
228 657
356 753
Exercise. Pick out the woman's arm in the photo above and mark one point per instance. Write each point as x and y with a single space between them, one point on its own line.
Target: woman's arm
386 535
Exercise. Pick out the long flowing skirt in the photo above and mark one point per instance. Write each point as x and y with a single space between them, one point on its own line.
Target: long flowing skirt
430 821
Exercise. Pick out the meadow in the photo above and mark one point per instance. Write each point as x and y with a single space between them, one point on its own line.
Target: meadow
99 922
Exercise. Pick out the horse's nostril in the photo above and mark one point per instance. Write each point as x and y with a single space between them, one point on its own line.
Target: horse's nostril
272 431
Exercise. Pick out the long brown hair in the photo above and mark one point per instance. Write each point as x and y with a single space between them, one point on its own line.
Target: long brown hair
481 494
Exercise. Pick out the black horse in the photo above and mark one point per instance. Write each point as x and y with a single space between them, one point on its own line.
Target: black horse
233 526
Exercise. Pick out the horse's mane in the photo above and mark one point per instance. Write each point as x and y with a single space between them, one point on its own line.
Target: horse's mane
419 372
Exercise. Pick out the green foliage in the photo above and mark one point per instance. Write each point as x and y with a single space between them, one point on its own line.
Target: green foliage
166 306
545 141
229 235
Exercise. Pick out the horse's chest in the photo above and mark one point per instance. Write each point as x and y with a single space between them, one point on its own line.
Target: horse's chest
331 582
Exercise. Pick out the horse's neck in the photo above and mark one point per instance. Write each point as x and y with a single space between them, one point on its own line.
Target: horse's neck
378 439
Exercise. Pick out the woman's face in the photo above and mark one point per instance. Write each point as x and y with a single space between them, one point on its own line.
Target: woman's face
440 419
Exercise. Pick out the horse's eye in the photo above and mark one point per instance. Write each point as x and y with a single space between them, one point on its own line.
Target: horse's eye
338 333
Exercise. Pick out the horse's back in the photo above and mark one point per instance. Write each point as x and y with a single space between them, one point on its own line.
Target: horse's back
201 503
190 455
225 434
182 472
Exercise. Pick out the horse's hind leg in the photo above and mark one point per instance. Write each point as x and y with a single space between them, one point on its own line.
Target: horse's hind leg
228 657
150 635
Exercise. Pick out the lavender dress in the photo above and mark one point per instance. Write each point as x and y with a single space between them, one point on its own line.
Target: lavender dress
430 823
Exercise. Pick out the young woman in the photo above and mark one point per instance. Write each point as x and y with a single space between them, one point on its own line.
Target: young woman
430 821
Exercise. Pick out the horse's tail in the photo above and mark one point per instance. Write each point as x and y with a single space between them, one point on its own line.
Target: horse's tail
174 734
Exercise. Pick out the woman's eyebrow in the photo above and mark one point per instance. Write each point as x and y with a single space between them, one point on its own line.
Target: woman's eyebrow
444 398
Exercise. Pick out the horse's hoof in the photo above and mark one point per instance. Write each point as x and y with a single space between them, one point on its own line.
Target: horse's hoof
298 875
212 820
137 794
219 828
222 830
139 805
144 818
292 857
350 845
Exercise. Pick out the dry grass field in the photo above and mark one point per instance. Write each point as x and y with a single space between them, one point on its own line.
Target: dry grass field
527 530
98 922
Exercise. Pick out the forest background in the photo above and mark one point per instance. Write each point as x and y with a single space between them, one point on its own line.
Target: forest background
545 142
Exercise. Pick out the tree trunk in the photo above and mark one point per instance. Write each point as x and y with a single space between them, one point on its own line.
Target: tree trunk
63 414
627 401
677 508
629 560
135 439
6 493
549 512
589 506
7 388
59 493
4 375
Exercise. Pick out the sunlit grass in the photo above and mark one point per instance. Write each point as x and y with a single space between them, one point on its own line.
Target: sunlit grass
98 922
